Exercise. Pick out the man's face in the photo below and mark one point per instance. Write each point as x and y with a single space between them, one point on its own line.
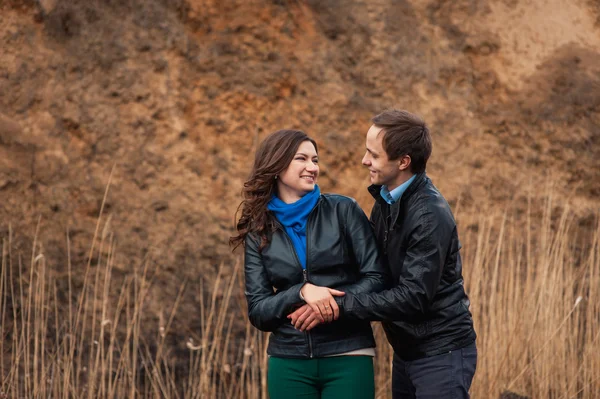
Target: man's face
381 170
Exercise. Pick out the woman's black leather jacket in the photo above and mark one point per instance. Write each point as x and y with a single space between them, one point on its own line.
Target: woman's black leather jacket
341 253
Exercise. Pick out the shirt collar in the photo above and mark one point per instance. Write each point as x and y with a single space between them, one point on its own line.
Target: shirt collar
395 195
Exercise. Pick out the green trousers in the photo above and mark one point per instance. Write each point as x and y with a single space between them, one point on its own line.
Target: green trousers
349 377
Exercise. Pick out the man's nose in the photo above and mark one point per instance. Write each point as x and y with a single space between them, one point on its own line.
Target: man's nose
366 161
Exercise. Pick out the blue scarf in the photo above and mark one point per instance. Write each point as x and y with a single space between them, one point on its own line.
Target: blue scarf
293 217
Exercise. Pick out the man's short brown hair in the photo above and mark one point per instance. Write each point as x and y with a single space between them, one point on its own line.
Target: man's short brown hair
405 134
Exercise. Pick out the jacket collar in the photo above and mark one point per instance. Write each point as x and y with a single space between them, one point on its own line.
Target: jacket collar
375 191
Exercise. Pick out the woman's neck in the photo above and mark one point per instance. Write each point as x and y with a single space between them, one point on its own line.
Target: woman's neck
289 196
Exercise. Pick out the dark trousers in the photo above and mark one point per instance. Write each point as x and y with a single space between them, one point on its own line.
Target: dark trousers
448 375
347 377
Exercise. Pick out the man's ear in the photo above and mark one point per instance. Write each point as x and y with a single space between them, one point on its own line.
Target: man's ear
404 163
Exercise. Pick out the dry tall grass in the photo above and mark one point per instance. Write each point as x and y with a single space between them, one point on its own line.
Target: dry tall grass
533 283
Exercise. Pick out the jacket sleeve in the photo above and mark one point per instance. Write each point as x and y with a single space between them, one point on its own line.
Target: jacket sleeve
413 293
360 238
267 309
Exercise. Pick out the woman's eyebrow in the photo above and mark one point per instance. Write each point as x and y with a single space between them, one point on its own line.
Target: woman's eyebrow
307 156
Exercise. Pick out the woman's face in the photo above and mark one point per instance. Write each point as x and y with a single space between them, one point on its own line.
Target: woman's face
300 177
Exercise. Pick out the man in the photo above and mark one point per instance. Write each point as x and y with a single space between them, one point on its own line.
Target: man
425 313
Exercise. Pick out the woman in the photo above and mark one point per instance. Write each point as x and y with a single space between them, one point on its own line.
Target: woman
302 248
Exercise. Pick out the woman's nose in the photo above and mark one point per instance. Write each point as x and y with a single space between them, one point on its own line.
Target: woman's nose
311 166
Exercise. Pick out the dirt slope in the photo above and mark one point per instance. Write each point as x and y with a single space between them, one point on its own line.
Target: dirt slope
176 95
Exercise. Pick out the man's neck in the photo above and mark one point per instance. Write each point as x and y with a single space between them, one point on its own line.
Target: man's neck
403 178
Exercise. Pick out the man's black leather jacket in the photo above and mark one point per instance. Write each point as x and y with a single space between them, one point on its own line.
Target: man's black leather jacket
426 312
341 254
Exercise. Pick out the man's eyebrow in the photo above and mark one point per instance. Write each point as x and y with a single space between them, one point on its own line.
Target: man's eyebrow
371 151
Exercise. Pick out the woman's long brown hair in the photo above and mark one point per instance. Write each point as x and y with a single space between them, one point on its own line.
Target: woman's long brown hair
272 157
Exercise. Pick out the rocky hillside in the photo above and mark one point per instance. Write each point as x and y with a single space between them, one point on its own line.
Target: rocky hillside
175 94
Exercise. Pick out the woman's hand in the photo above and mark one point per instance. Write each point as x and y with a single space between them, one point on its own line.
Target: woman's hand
321 301
304 318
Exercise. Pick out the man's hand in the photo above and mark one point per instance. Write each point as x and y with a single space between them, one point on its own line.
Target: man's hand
321 300
304 318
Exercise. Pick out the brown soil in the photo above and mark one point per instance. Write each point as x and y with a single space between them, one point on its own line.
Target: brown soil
177 93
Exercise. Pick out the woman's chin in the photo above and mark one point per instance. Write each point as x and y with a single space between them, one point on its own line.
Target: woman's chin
307 188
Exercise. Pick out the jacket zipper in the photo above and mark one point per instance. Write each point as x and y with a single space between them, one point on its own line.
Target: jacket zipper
304 270
310 351
305 278
387 222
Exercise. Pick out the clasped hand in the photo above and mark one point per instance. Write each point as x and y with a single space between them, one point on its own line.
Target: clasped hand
320 307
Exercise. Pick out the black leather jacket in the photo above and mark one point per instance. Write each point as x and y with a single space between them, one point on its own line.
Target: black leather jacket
341 254
427 310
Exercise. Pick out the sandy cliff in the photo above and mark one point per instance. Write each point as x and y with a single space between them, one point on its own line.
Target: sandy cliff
175 94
